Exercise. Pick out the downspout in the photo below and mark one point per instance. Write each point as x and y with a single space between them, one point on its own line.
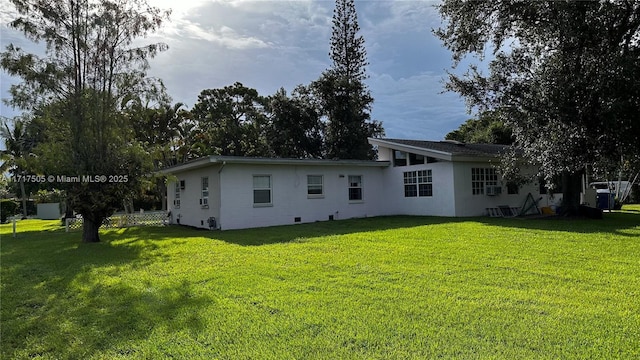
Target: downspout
220 195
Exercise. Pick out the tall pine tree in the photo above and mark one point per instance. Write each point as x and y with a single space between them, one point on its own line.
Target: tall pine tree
93 65
344 96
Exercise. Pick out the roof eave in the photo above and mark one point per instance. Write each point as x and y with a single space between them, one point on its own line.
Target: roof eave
471 158
441 155
223 160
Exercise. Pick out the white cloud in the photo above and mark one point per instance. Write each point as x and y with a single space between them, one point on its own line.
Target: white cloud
7 13
224 35
271 44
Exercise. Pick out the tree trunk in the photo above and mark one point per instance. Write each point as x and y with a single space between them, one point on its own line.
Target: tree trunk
90 230
24 199
571 188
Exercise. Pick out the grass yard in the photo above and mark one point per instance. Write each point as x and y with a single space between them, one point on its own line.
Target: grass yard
376 288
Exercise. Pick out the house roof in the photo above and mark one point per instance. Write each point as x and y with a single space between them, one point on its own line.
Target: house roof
223 160
446 150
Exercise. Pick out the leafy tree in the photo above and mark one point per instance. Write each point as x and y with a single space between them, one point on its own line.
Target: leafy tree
295 129
158 128
232 121
344 97
19 141
189 142
92 66
565 77
487 129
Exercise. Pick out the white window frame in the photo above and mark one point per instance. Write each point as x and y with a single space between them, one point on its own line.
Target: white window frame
311 186
176 198
410 180
418 183
481 178
262 188
204 199
358 185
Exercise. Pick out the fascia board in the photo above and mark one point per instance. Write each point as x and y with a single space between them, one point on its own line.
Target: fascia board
467 158
311 162
190 165
442 155
206 161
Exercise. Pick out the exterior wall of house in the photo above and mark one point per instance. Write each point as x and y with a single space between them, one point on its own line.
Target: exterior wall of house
290 201
239 197
231 195
190 211
438 204
469 204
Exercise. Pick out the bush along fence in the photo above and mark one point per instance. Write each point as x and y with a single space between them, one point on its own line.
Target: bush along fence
154 218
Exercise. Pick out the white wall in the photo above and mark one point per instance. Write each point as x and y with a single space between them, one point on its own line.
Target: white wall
467 204
49 211
440 204
190 212
231 194
289 195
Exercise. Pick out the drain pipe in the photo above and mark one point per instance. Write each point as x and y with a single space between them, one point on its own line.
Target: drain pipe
219 184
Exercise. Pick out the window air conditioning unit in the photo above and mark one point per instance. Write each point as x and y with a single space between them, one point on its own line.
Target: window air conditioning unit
494 190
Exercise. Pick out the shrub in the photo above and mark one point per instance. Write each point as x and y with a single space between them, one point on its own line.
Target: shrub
8 208
46 196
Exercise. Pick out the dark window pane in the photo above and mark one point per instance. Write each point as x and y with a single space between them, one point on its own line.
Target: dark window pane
426 190
410 191
261 196
355 194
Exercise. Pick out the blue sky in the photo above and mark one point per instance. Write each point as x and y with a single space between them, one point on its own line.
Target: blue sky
271 44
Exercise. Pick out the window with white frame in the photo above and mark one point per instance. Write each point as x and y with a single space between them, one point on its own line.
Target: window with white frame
315 186
262 189
410 181
415 159
204 200
176 198
481 178
418 183
355 187
425 183
399 158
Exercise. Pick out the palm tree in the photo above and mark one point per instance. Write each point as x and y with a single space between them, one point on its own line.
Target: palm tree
17 144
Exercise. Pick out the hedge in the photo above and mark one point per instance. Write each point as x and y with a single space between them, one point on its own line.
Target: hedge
8 208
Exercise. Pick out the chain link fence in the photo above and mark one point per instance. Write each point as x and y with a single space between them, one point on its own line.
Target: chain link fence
153 218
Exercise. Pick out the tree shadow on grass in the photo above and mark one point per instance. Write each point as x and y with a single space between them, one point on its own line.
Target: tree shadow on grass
615 223
66 300
618 223
623 224
301 232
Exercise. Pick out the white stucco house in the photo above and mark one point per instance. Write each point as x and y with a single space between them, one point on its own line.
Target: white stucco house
410 177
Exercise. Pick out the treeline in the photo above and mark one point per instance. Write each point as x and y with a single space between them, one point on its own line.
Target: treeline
90 108
237 121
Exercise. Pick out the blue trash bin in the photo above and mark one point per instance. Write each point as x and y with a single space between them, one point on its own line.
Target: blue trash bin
605 200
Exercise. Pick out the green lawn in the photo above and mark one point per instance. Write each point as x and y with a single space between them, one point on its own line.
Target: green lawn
376 288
